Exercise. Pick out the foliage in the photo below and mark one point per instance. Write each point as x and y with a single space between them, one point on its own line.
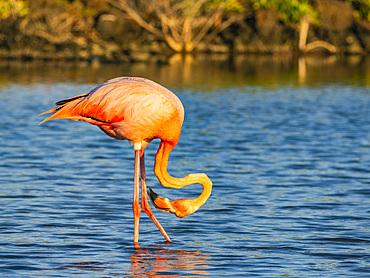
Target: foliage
290 11
82 8
361 8
230 5
13 8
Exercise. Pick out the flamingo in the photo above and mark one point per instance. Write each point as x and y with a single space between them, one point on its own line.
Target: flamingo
139 110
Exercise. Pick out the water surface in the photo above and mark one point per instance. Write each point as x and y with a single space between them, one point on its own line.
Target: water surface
287 148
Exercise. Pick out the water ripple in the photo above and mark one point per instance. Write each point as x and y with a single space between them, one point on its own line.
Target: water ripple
290 168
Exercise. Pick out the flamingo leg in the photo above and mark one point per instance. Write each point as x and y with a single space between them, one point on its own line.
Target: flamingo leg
136 204
144 198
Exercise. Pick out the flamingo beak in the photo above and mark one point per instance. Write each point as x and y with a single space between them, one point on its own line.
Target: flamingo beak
159 202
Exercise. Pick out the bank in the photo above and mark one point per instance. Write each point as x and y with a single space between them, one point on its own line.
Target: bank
111 36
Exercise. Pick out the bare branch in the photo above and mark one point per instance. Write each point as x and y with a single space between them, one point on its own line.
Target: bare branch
226 24
183 24
39 31
303 32
122 4
318 44
207 26
196 7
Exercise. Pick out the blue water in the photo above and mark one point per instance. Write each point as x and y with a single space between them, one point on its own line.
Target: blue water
290 163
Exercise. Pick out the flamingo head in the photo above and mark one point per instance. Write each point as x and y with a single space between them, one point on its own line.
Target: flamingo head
179 207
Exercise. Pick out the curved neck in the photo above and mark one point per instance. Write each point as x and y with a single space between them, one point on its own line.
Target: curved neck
160 170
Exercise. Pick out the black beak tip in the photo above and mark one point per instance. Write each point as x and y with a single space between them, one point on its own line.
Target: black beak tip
152 195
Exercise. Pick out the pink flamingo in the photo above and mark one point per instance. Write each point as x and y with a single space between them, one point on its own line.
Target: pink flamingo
139 110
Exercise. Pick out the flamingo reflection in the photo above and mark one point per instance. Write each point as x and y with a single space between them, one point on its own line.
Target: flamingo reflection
168 263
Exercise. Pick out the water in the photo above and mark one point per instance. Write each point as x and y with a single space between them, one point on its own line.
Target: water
289 156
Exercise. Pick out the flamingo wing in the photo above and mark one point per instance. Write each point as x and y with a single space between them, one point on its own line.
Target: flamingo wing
124 108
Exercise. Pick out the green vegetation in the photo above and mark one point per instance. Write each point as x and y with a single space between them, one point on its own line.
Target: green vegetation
230 5
122 27
290 11
80 7
361 8
13 8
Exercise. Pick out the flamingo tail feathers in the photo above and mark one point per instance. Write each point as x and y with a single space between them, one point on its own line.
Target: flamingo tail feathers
63 109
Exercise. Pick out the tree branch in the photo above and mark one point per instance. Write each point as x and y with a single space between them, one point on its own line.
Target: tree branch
122 4
225 24
318 44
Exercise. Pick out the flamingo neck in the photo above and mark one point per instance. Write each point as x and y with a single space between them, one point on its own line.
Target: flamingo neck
160 170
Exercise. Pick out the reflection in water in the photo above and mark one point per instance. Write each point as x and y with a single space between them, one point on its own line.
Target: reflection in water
308 66
302 70
200 70
152 261
160 260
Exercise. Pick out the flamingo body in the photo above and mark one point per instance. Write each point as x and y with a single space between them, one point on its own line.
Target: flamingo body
139 110
127 108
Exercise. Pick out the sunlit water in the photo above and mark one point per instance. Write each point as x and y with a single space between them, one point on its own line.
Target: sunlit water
289 159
